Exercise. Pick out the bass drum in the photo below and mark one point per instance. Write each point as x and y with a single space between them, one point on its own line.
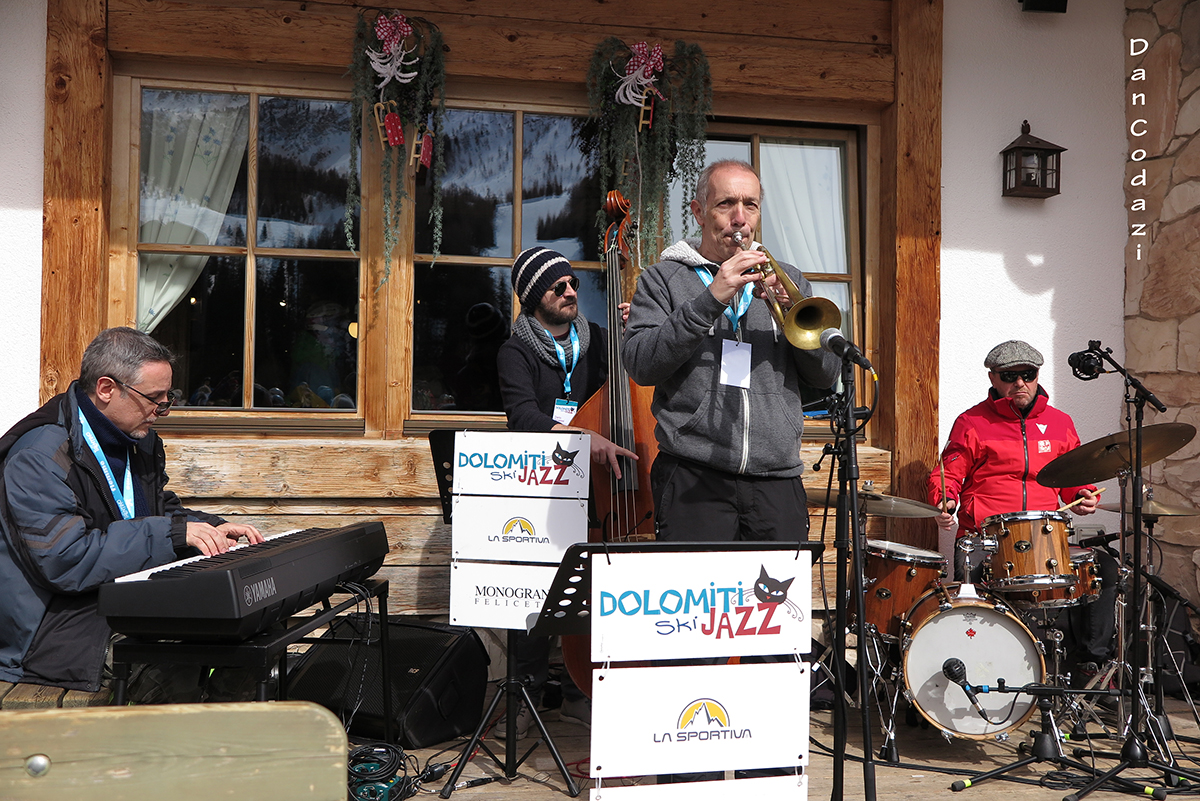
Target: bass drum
955 621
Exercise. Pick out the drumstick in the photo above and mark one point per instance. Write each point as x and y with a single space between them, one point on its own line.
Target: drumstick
942 470
1078 500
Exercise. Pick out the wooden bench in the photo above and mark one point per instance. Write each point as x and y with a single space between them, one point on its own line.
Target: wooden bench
39 696
290 749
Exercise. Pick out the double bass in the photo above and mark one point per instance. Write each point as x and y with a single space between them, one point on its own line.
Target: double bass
620 411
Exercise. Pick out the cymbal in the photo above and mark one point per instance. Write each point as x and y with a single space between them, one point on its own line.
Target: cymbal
1152 508
1105 458
884 505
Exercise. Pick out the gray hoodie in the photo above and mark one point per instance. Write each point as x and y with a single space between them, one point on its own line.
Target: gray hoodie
673 343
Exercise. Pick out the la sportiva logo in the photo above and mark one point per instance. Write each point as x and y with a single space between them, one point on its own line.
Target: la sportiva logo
701 720
518 530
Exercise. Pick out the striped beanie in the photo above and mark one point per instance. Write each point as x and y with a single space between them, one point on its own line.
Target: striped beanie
536 270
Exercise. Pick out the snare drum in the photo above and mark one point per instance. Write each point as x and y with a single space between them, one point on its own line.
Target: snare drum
959 622
1085 589
1031 551
896 575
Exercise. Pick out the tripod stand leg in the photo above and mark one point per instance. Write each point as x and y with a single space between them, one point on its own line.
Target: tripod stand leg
963 784
470 749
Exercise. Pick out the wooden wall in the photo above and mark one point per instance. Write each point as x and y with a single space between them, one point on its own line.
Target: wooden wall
871 63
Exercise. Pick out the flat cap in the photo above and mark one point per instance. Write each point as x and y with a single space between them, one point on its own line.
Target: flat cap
1012 353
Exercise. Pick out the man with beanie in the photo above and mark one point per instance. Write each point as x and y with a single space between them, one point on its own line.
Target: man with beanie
554 361
727 404
83 500
991 463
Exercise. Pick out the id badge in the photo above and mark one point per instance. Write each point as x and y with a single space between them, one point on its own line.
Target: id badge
564 411
735 363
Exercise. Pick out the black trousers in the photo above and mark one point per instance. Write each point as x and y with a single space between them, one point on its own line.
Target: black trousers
694 503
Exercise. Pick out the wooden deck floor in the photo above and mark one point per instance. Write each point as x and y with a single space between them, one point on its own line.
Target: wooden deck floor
928 764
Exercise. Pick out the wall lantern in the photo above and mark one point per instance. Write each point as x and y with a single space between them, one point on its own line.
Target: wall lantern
1031 166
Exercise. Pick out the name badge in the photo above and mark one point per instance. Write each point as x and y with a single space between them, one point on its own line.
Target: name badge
735 363
564 411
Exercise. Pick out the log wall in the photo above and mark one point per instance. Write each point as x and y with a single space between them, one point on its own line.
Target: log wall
869 63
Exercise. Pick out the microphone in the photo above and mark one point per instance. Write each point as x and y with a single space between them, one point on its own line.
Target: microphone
954 669
1099 539
833 341
1086 364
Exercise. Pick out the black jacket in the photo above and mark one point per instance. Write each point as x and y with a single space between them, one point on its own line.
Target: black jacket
64 537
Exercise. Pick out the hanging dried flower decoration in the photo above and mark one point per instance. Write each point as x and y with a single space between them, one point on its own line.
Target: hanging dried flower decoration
399 76
642 151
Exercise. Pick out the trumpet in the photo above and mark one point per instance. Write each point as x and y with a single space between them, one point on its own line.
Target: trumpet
805 318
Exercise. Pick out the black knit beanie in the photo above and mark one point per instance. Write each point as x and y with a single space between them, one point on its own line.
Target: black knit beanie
536 270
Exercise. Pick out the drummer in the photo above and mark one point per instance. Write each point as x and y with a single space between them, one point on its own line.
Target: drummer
992 459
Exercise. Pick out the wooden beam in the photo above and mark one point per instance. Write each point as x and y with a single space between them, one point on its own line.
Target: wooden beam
911 262
318 36
78 153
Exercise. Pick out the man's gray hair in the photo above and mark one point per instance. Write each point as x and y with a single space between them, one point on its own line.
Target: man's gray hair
704 182
120 354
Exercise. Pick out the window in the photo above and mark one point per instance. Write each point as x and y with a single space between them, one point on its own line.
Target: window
513 180
229 241
243 267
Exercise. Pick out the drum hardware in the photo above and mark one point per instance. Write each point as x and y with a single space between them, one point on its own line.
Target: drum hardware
1127 453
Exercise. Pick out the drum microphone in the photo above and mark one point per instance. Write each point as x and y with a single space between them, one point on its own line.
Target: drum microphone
1086 364
954 669
833 341
1098 540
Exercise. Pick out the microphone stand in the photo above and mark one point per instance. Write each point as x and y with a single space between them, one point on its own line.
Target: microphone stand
1133 752
849 541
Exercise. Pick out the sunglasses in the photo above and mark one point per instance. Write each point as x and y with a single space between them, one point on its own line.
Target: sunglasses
1010 376
561 286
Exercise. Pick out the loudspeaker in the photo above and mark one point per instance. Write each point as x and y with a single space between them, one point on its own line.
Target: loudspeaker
437 684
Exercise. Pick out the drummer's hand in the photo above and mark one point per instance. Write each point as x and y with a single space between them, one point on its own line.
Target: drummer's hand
1088 505
945 519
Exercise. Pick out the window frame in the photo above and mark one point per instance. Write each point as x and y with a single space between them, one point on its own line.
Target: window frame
386 306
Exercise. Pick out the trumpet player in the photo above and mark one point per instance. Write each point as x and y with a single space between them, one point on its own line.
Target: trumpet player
727 381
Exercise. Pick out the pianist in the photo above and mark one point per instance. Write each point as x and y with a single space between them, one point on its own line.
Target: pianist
83 500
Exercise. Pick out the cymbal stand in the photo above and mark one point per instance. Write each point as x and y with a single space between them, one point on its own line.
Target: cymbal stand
1133 752
1046 746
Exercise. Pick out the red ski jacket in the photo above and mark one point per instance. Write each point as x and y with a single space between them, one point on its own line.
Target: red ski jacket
993 458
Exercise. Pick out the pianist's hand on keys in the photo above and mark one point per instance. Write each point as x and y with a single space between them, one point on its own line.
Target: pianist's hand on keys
212 540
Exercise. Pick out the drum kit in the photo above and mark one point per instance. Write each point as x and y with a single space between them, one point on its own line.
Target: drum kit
1027 572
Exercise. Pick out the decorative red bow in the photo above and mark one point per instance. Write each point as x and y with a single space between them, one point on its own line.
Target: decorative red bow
392 32
644 56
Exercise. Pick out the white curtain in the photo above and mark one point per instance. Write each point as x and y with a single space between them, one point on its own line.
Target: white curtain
193 145
804 219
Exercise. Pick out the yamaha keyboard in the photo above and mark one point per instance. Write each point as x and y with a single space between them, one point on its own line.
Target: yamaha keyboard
237 594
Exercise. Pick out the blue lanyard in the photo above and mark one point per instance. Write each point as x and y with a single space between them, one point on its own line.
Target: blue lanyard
742 305
562 357
124 499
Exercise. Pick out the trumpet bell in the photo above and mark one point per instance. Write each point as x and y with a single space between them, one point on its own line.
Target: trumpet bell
804 322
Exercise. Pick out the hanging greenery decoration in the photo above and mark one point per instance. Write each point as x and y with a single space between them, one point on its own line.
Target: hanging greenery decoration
399 76
651 116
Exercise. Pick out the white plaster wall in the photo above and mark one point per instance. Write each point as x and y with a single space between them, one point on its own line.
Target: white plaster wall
1047 271
22 106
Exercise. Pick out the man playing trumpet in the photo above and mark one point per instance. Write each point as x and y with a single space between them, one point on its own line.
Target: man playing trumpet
727 381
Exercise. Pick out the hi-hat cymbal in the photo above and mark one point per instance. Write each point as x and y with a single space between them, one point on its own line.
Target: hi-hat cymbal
1105 458
883 505
1152 508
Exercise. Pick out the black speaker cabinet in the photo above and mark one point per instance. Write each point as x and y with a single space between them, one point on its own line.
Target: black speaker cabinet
437 686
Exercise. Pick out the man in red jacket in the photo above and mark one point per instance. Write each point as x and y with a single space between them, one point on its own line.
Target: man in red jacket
991 463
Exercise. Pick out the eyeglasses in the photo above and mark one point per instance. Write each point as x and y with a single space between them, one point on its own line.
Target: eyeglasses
561 286
1010 376
160 407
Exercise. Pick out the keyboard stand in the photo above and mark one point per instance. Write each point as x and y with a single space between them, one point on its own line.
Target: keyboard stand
261 652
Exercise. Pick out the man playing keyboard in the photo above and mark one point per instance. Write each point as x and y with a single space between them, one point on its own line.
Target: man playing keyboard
83 500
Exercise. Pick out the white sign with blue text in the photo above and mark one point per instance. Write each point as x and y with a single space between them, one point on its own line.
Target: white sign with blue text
522 464
685 605
696 718
517 529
